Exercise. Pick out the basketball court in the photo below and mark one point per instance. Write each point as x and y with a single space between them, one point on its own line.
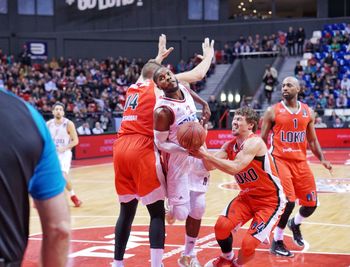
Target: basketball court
327 232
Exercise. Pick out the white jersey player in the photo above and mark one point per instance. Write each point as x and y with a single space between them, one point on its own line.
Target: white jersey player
187 178
65 137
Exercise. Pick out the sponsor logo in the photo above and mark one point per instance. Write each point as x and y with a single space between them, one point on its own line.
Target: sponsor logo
83 5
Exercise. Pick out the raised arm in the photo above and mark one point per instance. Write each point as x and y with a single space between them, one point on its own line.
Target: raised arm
314 144
268 121
199 72
163 52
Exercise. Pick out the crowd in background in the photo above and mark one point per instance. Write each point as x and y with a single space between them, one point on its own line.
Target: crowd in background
93 91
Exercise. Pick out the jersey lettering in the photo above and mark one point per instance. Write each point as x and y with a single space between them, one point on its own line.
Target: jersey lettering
293 137
131 101
245 177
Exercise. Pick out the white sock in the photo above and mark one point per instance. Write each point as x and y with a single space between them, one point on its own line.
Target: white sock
118 263
228 255
190 242
156 257
298 219
71 192
278 234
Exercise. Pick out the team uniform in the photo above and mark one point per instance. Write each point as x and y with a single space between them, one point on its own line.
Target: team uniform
261 197
137 164
61 138
288 148
28 163
186 175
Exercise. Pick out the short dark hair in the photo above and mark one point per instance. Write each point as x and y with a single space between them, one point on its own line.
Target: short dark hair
58 104
251 116
149 69
157 73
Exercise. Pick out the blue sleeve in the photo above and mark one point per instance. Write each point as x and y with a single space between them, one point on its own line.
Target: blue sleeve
47 180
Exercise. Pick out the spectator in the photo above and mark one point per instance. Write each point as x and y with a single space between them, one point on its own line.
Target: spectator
24 57
291 41
97 129
214 108
341 101
298 68
84 129
300 36
269 80
319 123
338 123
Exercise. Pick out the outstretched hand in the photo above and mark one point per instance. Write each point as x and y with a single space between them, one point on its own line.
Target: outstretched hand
163 52
327 165
206 113
208 48
199 153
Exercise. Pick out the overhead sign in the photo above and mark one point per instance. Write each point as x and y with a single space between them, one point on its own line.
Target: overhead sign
37 50
83 5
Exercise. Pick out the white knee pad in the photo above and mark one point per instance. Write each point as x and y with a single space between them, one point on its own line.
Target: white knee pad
180 212
197 201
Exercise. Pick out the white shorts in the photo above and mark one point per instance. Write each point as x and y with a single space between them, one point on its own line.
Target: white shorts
185 174
65 159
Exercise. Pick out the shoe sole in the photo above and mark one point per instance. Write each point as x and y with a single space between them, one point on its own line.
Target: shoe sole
281 255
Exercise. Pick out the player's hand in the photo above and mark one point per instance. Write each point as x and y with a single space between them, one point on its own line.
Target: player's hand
163 52
208 48
199 153
61 149
206 113
327 165
204 125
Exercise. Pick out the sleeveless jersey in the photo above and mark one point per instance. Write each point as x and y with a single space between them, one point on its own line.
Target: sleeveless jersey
59 132
288 139
138 109
260 177
183 110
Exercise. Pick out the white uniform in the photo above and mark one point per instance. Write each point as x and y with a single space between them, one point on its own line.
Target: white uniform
184 173
60 136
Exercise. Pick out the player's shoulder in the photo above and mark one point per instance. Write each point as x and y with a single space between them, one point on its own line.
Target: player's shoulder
255 141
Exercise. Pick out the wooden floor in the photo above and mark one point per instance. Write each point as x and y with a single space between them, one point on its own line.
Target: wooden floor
327 231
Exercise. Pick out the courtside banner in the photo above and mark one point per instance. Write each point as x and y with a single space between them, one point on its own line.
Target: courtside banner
328 138
92 146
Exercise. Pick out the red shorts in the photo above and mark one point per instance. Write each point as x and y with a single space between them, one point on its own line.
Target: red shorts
138 171
298 181
264 211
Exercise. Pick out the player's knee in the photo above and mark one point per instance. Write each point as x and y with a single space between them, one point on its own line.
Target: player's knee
307 211
223 228
180 212
198 211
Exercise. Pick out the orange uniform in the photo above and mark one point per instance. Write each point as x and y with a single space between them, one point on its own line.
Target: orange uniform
261 197
138 171
288 148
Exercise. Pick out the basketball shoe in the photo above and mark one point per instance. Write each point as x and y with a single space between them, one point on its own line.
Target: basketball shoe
295 228
222 262
278 248
77 202
188 261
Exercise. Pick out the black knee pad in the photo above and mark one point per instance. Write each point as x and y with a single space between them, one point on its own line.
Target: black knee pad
307 211
285 216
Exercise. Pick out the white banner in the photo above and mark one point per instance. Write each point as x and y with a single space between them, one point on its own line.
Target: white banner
83 5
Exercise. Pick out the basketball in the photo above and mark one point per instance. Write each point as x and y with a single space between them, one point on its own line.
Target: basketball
191 135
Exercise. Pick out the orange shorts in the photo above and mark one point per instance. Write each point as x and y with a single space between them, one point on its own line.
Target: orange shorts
138 170
298 181
264 211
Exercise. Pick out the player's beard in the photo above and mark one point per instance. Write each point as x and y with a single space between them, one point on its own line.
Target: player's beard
173 89
58 117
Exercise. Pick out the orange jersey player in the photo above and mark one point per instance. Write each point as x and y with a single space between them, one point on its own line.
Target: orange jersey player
292 125
138 172
261 197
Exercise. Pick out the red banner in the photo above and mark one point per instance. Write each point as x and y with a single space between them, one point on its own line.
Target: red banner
328 138
92 146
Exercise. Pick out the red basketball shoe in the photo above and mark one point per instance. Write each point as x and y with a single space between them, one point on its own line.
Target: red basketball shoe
76 201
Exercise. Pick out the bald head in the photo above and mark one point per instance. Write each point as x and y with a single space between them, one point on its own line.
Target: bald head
290 88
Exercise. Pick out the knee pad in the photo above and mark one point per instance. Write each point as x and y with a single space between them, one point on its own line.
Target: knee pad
197 212
223 228
307 211
181 212
285 216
